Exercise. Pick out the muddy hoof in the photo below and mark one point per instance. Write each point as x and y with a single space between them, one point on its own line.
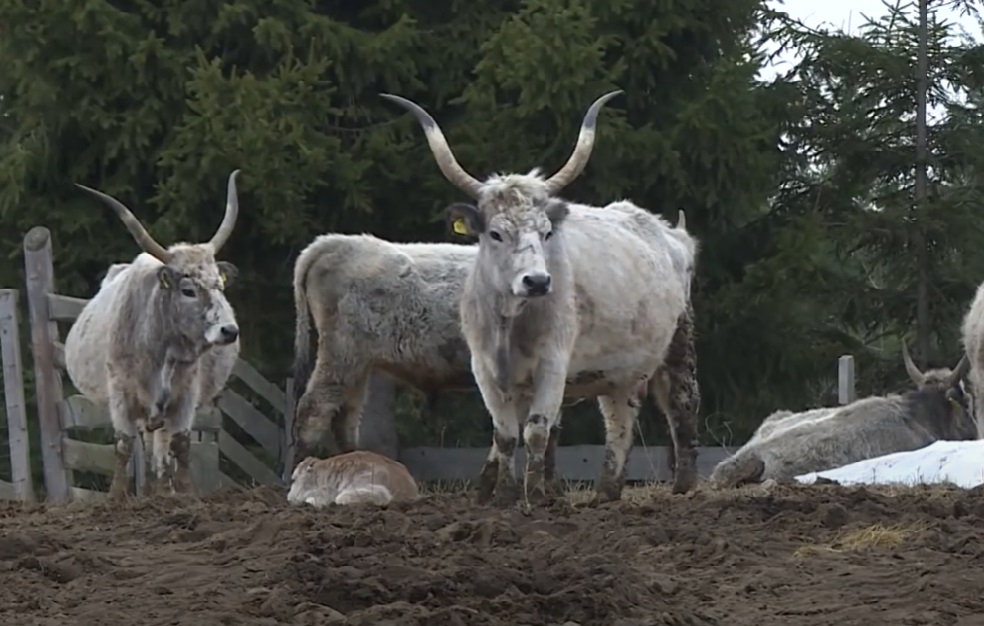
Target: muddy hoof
684 482
556 488
506 495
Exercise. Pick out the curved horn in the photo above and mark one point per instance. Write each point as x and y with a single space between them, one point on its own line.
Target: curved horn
229 219
959 371
582 150
439 147
682 221
910 367
140 234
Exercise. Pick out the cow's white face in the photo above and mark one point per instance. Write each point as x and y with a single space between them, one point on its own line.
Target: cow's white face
196 304
514 245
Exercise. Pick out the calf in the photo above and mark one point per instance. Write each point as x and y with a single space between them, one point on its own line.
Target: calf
351 478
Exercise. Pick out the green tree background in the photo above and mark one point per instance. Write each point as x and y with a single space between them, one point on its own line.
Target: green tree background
156 102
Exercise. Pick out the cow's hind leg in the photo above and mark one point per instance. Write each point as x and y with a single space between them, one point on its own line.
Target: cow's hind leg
345 426
677 393
620 410
328 411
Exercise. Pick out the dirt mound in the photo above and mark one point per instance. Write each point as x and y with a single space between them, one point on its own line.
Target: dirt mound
804 555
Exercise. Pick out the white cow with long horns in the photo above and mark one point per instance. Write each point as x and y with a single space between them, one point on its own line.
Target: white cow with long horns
157 341
563 299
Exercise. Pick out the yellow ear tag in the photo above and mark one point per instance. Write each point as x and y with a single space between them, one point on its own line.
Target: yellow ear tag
222 279
165 283
458 226
955 403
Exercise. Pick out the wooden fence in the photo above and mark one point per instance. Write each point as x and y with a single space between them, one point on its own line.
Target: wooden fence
60 417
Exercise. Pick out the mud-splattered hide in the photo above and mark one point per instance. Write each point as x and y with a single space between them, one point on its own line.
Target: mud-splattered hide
563 300
789 444
158 340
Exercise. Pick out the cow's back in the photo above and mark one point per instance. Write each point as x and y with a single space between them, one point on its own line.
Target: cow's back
629 298
394 304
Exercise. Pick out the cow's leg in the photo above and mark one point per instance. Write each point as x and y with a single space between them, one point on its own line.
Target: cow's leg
345 426
323 409
125 432
677 393
163 473
549 381
554 484
146 442
505 435
620 410
178 449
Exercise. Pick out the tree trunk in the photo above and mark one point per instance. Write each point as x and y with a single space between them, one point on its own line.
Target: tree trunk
922 254
377 432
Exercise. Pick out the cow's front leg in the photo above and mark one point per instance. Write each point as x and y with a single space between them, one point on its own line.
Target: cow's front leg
505 435
554 484
620 410
124 433
549 381
178 448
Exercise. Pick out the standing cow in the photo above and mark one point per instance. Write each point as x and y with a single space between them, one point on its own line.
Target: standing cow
561 294
157 341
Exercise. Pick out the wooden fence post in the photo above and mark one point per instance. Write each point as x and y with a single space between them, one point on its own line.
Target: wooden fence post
377 430
47 380
13 390
287 442
845 379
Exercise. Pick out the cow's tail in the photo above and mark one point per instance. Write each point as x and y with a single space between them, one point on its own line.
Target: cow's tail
742 468
302 324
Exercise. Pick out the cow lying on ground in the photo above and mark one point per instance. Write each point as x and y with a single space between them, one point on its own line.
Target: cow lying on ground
351 478
562 300
157 341
790 444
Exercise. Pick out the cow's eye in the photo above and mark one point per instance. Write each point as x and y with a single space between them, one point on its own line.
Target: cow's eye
188 293
548 235
495 236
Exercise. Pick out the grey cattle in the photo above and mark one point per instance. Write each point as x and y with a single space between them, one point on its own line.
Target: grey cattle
158 340
972 336
376 304
789 444
562 300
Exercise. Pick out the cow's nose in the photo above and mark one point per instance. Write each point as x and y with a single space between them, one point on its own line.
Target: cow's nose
536 284
229 332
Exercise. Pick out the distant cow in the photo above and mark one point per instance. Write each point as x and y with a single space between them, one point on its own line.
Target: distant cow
352 478
157 341
790 444
563 299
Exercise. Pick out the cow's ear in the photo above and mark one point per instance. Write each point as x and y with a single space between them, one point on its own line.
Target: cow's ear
557 211
227 273
465 219
167 277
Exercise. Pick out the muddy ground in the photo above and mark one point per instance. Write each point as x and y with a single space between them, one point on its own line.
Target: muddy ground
806 555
